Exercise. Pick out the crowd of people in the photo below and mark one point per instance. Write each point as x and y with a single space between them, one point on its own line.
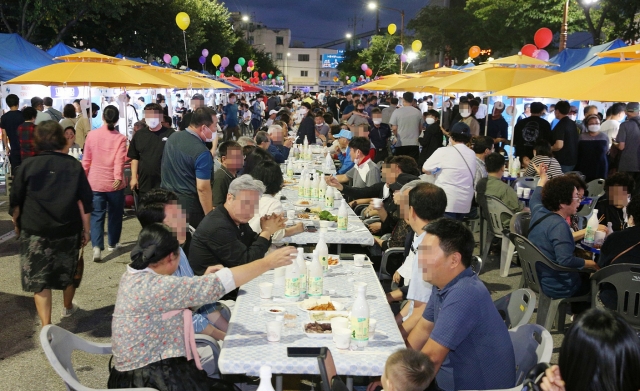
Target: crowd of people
207 199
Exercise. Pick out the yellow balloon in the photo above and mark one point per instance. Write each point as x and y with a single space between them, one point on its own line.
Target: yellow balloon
182 20
392 29
348 81
216 60
416 46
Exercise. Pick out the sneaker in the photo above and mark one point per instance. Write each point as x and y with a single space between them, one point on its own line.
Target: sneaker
68 312
116 247
97 254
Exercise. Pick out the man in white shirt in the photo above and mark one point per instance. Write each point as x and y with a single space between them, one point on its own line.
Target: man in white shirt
611 126
424 106
454 168
365 172
405 123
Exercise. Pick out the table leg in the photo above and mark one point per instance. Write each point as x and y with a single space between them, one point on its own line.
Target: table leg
350 383
339 249
278 382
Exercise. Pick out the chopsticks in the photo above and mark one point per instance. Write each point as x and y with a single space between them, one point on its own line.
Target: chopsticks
601 218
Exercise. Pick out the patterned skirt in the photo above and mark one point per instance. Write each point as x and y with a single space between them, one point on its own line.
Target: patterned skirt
47 263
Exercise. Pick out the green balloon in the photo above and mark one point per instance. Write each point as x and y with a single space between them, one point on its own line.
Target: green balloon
217 73
353 79
270 76
175 60
241 61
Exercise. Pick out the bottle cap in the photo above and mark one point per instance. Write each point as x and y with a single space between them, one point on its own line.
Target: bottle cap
265 371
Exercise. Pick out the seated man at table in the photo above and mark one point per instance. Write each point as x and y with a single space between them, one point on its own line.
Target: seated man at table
224 236
551 204
364 172
460 323
276 133
342 151
493 186
427 202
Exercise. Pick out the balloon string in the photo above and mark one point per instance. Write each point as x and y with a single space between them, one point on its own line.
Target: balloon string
186 56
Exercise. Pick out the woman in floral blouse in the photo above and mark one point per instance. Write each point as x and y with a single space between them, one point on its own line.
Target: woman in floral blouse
152 335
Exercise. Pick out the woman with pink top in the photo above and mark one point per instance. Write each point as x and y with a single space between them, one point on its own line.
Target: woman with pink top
103 160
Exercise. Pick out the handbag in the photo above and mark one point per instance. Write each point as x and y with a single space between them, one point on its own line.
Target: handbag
624 252
77 276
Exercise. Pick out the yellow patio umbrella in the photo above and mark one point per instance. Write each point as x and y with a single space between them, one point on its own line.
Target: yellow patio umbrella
615 82
88 56
442 71
519 59
207 82
173 80
632 51
384 83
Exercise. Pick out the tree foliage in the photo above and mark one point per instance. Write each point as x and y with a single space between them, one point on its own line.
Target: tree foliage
379 56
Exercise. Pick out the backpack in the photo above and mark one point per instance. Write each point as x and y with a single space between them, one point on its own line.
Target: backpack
53 115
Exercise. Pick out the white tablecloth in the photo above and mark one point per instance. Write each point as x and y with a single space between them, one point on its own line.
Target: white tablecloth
246 349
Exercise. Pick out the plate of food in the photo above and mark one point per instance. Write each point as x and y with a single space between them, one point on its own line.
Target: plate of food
304 203
317 330
322 304
289 182
275 310
326 316
307 216
333 260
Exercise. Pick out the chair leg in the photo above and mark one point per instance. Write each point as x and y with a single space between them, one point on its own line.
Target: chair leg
546 311
523 281
487 245
506 255
562 316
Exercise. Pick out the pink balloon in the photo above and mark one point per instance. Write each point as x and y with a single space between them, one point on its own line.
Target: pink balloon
237 68
224 62
251 63
248 69
167 58
273 82
542 55
403 57
205 52
364 67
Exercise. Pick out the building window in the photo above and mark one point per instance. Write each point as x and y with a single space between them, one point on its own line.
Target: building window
279 40
279 56
303 57
324 73
304 73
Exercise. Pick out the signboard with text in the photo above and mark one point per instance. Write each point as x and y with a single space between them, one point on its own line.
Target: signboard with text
331 60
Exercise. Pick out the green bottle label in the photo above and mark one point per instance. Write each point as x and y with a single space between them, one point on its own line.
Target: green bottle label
342 223
315 286
360 328
292 287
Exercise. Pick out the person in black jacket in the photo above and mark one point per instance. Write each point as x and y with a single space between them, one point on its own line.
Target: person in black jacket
432 138
307 126
51 204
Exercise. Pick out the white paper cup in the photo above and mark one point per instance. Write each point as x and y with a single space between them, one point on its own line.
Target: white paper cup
377 203
278 275
520 191
339 323
291 215
358 260
342 338
372 325
274 330
599 238
265 290
526 193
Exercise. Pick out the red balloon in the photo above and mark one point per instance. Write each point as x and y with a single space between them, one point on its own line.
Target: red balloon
271 72
368 72
263 74
255 74
528 49
543 37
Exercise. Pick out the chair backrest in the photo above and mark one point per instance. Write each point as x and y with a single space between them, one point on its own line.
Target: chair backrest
527 182
476 265
520 223
517 307
596 188
191 229
496 209
625 278
385 274
532 344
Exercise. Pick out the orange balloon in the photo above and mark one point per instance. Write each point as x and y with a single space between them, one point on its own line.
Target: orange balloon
474 51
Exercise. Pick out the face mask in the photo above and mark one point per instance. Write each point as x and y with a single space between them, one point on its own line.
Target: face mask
163 105
430 121
209 139
319 125
377 121
572 117
232 100
594 128
360 110
465 113
180 105
152 122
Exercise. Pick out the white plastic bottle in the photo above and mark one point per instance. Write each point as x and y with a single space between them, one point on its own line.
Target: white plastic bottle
516 167
328 198
302 267
343 216
265 379
292 281
360 318
308 185
305 148
322 188
315 184
592 227
315 286
323 252
290 168
302 183
328 164
296 151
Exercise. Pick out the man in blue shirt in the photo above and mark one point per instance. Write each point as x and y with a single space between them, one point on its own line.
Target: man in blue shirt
231 119
343 153
256 113
461 330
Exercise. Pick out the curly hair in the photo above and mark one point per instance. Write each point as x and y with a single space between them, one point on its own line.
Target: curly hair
620 179
558 191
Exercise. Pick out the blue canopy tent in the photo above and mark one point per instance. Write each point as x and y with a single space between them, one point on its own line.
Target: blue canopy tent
572 59
351 86
60 49
19 56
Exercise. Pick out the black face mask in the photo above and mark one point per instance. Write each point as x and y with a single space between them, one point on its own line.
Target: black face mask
360 110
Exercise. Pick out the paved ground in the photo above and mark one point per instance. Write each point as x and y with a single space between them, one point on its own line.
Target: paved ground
23 365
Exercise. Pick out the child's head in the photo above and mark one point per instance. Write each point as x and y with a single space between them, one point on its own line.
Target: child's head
407 370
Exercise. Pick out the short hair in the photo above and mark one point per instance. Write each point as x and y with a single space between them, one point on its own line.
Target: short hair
270 175
36 101
274 128
13 100
542 148
394 101
254 158
348 93
527 106
408 96
153 107
246 182
558 191
470 96
577 181
69 111
409 370
428 201
494 162
376 110
433 113
49 136
620 179
587 108
360 143
202 116
600 351
155 242
482 143
410 185
151 207
563 107
225 146
139 124
328 118
454 237
407 164
617 108
29 113
73 129
47 101
111 116
473 103
166 118
261 137
537 108
245 140
319 114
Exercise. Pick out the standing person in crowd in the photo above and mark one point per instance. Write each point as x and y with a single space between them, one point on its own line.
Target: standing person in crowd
26 134
461 331
197 101
359 116
307 126
611 126
405 123
70 135
231 159
531 129
346 106
146 150
187 166
587 111
466 113
38 104
257 113
432 136
51 230
105 151
273 102
542 154
593 147
611 208
527 112
550 113
231 119
83 126
628 142
69 114
9 124
364 172
454 168
498 128
48 109
379 135
333 105
565 138
387 112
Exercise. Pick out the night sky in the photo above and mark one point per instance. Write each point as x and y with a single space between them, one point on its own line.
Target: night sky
319 21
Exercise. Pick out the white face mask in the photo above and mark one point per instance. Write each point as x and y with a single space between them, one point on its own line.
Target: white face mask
163 105
303 111
377 121
210 139
465 113
152 122
572 117
232 100
594 128
430 121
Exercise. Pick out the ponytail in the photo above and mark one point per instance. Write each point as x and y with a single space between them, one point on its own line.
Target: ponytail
155 242
110 115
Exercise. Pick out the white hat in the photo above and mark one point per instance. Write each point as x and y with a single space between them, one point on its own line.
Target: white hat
272 112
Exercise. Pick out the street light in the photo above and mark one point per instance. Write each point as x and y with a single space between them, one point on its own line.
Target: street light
245 18
373 5
348 35
565 17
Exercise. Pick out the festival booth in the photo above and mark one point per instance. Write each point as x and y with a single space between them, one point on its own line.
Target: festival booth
572 59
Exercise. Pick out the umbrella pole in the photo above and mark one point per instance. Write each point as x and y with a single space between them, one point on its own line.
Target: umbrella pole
126 118
167 94
513 126
486 118
90 109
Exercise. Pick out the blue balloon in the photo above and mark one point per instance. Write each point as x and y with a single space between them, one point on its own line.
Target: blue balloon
399 49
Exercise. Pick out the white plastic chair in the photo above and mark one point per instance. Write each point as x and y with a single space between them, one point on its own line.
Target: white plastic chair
532 344
496 209
526 182
517 307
